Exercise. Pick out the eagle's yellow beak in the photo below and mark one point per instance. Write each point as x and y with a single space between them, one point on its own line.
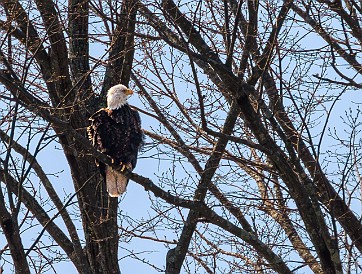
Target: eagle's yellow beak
128 91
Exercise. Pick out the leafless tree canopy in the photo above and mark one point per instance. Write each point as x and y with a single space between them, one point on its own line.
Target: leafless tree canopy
252 116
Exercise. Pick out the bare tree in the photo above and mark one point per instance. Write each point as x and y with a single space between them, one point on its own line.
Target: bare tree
252 157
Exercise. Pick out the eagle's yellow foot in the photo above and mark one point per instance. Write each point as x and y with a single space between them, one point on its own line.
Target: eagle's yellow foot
119 166
123 166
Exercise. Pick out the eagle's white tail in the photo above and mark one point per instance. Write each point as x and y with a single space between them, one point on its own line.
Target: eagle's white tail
116 182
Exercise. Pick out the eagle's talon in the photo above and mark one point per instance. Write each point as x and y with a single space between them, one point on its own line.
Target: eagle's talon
123 167
120 166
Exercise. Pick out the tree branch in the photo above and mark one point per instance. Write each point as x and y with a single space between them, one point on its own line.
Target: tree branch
176 256
30 202
51 192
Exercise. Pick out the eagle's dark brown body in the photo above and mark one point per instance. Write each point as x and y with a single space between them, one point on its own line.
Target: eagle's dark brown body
118 134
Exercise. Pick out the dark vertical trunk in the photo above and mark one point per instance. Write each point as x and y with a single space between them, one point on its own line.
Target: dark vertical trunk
99 216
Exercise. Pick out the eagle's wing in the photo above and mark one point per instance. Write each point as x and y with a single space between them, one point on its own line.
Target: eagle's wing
99 122
99 132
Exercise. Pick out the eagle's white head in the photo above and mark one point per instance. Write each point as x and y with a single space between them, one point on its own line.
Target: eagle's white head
117 96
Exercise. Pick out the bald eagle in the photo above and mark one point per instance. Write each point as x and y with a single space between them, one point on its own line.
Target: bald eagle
116 131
